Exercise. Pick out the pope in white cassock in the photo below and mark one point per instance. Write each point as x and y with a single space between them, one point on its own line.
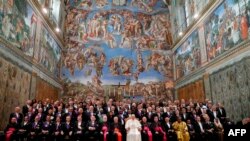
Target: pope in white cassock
133 128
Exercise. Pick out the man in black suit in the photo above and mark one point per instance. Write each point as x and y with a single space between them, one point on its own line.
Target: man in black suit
68 129
184 114
26 107
18 115
92 131
199 129
47 127
167 125
209 129
79 128
35 130
221 113
57 130
24 129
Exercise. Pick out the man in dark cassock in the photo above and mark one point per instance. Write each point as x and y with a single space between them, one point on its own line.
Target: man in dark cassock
24 129
47 127
92 131
167 125
146 132
105 129
57 131
157 130
79 128
35 129
11 130
18 115
117 129
68 129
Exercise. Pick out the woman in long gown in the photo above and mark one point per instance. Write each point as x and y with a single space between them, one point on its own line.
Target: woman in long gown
133 128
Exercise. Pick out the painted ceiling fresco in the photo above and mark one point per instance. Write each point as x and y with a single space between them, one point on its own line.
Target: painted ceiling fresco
111 42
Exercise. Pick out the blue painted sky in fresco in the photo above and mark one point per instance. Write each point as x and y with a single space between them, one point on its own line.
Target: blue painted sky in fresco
108 78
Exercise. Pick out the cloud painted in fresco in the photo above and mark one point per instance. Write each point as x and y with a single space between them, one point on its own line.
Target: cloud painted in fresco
124 31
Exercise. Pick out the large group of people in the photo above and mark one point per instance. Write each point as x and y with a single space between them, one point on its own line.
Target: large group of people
126 120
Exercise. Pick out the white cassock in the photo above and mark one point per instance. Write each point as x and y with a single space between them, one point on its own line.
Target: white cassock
133 134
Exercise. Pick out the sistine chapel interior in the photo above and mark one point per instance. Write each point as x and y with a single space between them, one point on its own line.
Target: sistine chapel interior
185 61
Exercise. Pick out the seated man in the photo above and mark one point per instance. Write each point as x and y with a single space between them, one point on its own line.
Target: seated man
146 132
209 129
168 127
105 129
116 129
92 132
57 131
35 129
68 129
11 130
47 129
133 127
158 133
79 128
181 130
24 129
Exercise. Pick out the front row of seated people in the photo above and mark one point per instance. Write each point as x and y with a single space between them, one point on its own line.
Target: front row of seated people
92 130
118 121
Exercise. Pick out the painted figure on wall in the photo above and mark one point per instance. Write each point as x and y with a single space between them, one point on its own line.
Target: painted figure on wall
227 27
18 25
121 66
117 40
188 56
50 52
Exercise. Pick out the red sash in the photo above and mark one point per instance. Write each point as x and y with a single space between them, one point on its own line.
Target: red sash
104 130
119 135
159 129
9 133
150 137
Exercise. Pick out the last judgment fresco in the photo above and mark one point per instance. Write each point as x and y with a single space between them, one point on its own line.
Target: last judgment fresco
117 42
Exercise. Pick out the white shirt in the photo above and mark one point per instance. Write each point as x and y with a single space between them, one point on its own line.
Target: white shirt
215 114
202 130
